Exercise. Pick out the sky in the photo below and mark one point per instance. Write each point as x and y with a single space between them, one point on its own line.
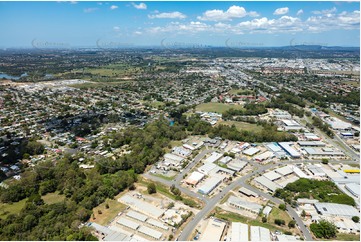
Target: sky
178 24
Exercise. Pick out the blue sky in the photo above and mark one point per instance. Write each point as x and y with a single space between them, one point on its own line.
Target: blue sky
178 24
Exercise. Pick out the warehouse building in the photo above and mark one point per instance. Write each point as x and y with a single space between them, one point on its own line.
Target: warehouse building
270 185
194 178
242 204
251 151
225 160
213 157
214 230
316 152
109 234
272 175
311 136
311 144
150 232
260 234
286 146
276 149
247 192
334 209
264 156
141 206
157 224
128 223
239 232
137 216
353 188
172 159
237 165
291 125
207 168
284 171
210 185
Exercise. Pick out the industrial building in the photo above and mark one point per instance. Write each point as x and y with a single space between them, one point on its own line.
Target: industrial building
276 149
109 234
150 232
210 185
242 204
272 175
237 165
128 223
260 234
311 143
194 178
270 185
214 230
353 188
286 146
251 151
316 152
264 156
239 232
291 125
213 157
247 192
141 206
334 209
171 159
137 216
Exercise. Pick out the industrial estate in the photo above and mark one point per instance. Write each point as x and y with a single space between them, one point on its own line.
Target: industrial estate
181 144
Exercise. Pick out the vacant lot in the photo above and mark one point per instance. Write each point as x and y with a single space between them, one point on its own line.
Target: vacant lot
14 208
217 107
53 197
103 215
243 125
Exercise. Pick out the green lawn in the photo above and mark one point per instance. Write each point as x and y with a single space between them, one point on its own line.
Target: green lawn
277 213
234 217
14 208
107 214
236 91
53 197
217 107
169 178
243 125
348 237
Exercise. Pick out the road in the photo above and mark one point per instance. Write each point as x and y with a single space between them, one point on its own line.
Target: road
210 203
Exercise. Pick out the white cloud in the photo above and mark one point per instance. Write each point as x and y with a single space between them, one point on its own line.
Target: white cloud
116 28
328 21
73 2
138 33
325 11
282 24
173 15
113 7
299 12
281 11
90 10
220 15
140 6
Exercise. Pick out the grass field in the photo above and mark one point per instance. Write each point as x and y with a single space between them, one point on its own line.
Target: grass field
14 208
348 237
277 213
243 125
169 178
53 197
236 91
234 217
97 84
107 213
217 107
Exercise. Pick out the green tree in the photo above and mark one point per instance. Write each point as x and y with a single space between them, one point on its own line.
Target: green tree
356 219
303 213
282 206
324 229
324 161
292 224
151 188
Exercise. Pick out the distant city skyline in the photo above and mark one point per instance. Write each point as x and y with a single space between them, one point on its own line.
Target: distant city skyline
178 24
